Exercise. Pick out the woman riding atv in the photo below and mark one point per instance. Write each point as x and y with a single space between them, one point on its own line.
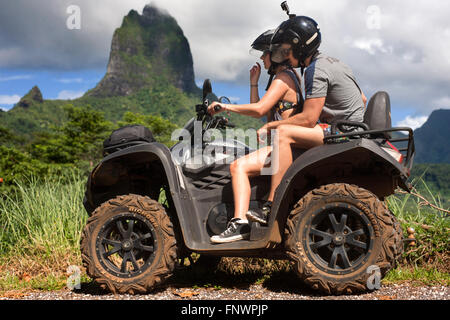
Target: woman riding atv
282 100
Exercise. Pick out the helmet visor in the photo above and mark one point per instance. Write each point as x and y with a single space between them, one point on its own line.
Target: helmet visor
258 53
280 52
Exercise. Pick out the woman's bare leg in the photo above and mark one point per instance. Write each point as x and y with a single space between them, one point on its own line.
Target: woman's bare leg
291 136
241 170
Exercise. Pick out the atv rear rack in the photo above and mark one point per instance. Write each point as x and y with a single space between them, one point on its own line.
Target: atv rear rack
409 150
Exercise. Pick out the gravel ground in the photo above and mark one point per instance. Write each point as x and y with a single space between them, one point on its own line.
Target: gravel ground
251 292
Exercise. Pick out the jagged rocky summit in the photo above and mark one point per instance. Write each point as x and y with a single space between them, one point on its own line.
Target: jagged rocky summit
33 96
146 51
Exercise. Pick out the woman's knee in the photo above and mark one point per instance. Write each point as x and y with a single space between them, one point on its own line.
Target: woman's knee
237 167
244 166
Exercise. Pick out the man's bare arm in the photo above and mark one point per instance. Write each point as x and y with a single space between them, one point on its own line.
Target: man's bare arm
364 98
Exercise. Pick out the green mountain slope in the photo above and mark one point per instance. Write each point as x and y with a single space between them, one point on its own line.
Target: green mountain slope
432 139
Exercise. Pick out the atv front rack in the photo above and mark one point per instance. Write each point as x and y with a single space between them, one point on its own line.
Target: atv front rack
407 152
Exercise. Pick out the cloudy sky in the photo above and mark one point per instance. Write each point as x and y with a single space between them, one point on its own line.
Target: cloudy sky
402 47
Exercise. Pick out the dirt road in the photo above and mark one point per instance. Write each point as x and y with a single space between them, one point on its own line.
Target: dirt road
252 292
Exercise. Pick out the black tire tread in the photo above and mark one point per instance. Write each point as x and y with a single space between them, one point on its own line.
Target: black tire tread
387 227
164 262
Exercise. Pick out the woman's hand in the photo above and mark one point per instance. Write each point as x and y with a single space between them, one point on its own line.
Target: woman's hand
216 107
263 133
255 72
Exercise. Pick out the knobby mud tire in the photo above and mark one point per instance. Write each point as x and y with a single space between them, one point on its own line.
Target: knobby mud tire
165 255
387 241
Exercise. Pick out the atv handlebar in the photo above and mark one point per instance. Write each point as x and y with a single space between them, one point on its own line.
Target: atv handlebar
211 122
225 122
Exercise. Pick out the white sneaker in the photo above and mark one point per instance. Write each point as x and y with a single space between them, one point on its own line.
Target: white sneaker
237 229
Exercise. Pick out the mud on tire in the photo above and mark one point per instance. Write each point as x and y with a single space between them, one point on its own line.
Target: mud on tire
128 245
336 232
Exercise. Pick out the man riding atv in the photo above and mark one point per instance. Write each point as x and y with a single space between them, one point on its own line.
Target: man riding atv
332 94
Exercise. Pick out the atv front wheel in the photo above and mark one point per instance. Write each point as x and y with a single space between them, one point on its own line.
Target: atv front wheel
128 245
338 235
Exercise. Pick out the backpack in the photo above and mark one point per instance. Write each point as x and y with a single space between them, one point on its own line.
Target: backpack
125 137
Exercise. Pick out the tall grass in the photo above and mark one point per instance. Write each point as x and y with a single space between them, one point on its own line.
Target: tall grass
41 224
431 229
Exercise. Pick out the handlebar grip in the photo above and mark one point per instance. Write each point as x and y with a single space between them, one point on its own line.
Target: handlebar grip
217 107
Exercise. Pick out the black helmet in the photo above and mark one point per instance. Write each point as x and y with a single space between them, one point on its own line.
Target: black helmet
302 33
262 43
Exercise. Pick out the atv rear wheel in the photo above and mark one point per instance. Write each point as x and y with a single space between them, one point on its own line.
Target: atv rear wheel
338 235
128 245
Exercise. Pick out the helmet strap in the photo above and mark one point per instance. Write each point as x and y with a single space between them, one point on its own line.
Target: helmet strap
270 81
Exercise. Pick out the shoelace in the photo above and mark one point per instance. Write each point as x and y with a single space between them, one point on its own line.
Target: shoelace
232 227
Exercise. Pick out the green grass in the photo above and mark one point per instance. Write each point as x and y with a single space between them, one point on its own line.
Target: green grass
431 230
41 226
418 276
43 283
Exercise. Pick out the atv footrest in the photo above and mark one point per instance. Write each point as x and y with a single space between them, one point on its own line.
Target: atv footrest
258 231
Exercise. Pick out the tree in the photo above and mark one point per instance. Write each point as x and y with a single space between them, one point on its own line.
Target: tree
79 139
162 129
7 138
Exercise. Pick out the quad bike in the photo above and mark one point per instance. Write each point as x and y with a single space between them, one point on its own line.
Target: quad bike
147 211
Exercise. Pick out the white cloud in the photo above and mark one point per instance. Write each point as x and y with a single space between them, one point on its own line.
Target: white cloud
69 94
443 102
234 99
17 77
9 99
412 122
70 80
372 45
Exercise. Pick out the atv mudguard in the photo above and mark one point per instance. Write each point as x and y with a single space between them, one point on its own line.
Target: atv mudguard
360 162
143 170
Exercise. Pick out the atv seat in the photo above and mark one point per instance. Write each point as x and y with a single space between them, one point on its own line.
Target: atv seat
377 125
378 114
376 117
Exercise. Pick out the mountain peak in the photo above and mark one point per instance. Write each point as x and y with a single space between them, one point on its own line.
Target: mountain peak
33 96
431 139
150 13
146 51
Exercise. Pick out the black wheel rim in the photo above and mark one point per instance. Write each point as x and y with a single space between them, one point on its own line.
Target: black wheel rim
339 239
126 245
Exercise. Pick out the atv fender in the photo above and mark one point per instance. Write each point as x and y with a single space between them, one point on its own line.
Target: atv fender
360 162
141 169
